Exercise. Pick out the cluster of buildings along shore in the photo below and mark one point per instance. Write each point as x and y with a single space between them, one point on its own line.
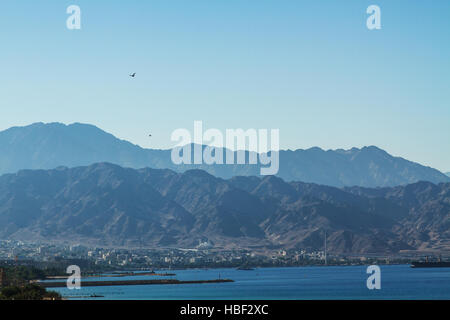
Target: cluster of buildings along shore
204 255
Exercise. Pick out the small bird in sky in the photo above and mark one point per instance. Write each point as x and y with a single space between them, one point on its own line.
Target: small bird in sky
149 135
133 75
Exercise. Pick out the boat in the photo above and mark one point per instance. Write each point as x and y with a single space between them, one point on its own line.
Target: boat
430 264
423 264
244 268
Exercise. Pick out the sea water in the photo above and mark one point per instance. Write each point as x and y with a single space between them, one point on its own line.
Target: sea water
331 282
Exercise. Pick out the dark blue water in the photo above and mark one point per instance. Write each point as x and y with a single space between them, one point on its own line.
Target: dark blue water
397 282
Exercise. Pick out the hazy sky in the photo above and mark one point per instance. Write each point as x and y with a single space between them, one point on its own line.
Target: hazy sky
310 68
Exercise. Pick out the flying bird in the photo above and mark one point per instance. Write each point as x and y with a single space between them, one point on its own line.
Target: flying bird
133 75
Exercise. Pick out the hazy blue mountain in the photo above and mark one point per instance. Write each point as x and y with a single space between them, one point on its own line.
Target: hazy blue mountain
105 204
47 146
448 174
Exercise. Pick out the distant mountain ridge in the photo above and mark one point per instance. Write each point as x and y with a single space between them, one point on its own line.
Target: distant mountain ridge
105 204
47 146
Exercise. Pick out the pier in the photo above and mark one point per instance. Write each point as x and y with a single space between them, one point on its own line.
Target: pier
130 282
118 275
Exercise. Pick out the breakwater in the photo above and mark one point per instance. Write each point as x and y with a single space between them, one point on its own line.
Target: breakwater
118 275
130 282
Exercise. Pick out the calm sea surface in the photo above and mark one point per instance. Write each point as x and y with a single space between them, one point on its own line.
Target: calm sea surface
397 282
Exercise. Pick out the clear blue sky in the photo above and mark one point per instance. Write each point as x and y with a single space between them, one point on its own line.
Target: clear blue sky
310 68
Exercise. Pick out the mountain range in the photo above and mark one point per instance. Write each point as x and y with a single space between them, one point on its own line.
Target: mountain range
107 204
47 146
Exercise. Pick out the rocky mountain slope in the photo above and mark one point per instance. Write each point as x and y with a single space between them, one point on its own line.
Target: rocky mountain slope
106 204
